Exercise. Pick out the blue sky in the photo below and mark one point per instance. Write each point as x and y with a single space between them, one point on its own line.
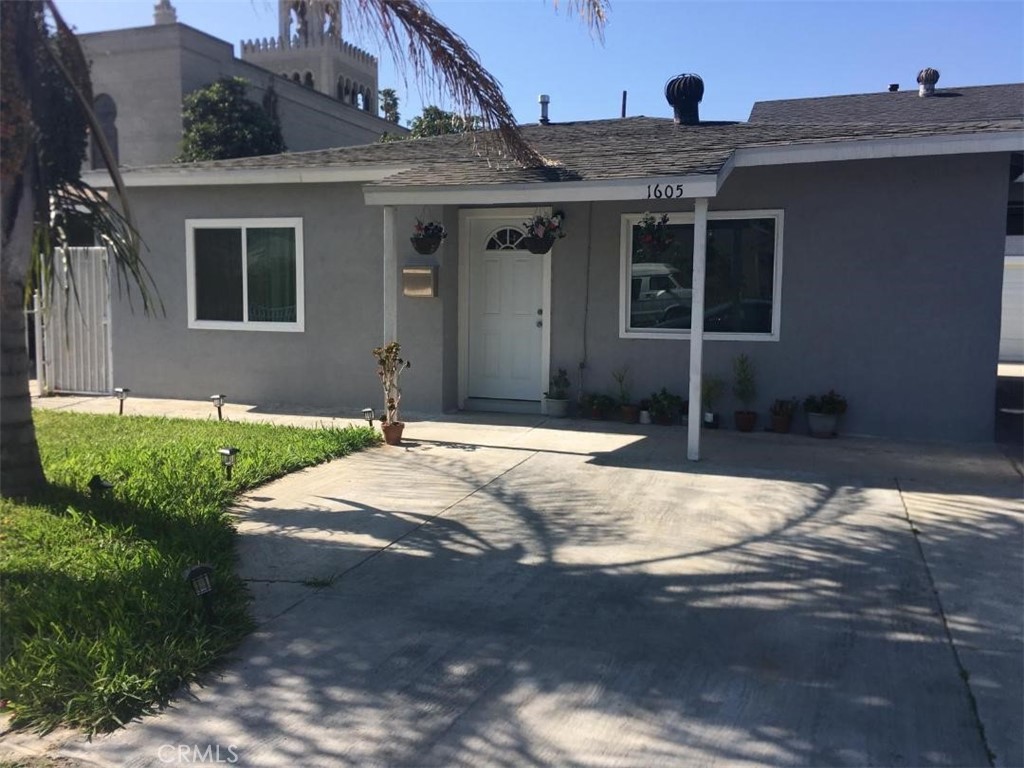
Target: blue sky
745 51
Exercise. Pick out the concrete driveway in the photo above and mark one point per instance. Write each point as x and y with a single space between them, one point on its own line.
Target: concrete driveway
505 591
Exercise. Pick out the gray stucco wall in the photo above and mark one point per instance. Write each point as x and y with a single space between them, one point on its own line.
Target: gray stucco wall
891 286
891 283
329 364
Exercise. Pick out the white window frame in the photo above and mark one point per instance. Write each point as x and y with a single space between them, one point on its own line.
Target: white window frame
625 277
191 225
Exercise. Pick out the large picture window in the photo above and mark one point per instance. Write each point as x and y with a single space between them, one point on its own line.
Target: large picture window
245 274
742 281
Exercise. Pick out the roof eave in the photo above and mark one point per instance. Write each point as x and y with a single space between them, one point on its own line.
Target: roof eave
646 188
193 177
873 149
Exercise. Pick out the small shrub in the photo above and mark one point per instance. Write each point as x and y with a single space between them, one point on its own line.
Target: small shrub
744 386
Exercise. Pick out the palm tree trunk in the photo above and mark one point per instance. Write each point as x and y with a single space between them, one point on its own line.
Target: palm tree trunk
21 471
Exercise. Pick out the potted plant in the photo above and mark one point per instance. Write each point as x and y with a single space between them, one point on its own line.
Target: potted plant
823 412
651 237
711 388
645 411
666 408
745 390
390 366
556 399
597 405
782 414
427 237
630 412
542 231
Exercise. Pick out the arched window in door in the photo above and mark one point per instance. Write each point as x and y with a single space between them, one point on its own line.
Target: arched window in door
106 114
505 239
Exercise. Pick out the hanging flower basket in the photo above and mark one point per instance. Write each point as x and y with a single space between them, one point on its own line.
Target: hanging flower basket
425 245
427 237
538 244
542 231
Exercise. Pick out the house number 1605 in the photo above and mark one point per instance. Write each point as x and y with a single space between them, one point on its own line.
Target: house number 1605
658 191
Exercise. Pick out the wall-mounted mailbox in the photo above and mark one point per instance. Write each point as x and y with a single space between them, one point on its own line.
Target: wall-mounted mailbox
420 282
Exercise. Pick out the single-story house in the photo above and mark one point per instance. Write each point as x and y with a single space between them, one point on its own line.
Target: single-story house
865 257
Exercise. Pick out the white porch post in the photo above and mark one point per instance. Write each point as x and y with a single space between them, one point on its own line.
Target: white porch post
700 242
390 281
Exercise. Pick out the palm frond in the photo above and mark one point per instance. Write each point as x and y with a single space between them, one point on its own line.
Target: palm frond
417 39
594 14
74 200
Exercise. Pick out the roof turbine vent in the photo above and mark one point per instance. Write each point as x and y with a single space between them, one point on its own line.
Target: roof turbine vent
684 93
927 78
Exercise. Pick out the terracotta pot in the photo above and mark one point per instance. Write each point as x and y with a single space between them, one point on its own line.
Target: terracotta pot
745 420
425 245
631 414
538 245
393 432
781 424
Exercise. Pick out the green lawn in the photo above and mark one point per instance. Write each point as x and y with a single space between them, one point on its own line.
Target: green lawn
98 624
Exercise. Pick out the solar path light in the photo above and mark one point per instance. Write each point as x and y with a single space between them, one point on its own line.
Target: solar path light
369 416
227 459
98 486
218 403
121 393
198 577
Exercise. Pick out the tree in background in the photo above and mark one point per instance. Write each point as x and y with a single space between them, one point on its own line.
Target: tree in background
436 122
389 105
45 119
221 123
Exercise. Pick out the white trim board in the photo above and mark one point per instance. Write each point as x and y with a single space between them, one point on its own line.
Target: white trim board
704 185
199 177
872 149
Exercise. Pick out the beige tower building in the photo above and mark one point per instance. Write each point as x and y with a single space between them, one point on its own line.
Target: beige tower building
309 50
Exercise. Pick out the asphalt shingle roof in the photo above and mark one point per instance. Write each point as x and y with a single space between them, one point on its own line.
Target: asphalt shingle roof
598 150
948 105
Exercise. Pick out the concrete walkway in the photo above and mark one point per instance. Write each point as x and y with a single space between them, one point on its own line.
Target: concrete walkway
512 591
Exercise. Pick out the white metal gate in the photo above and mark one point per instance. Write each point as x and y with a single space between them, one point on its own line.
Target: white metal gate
76 324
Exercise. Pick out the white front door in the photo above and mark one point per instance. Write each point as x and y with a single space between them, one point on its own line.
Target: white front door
506 313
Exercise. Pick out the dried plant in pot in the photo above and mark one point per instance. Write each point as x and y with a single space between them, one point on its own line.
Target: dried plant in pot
390 367
630 411
745 389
